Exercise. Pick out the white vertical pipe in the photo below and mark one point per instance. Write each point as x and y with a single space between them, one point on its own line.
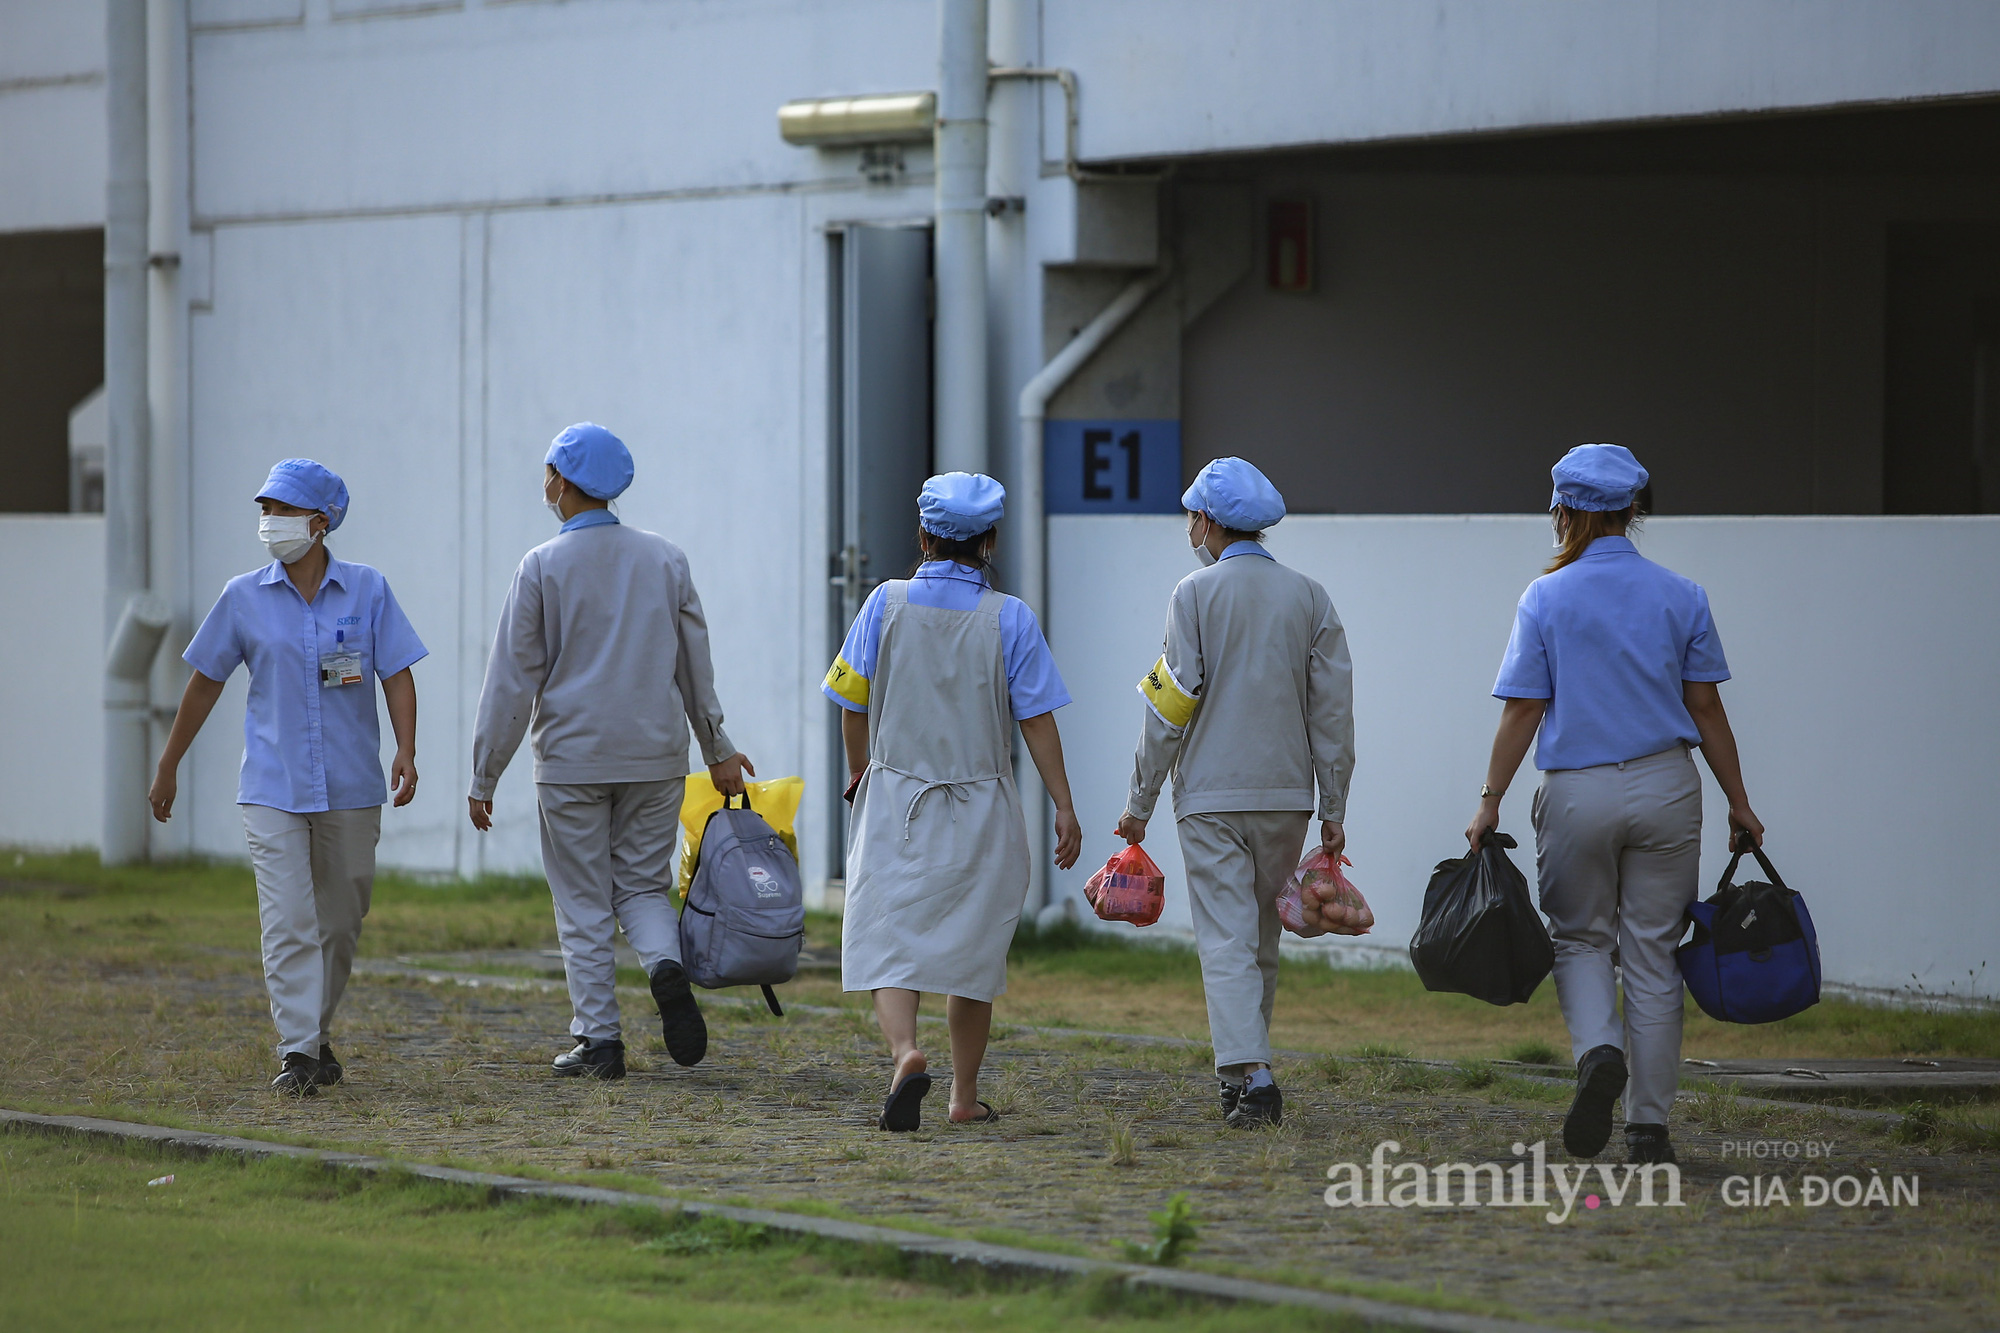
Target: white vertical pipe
960 239
1013 157
167 451
1031 525
126 492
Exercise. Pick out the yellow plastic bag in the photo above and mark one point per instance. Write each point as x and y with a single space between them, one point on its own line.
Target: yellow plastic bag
777 801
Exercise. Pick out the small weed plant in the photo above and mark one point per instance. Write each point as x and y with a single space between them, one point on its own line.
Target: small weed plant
1174 1235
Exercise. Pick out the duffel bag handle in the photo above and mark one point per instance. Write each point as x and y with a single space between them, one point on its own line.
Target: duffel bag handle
1740 843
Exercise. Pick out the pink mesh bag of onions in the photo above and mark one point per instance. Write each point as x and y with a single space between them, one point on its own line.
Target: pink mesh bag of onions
1342 908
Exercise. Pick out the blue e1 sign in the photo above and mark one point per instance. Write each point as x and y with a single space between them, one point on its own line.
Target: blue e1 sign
1111 467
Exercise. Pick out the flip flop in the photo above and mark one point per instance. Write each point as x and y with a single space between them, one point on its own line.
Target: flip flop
904 1111
989 1116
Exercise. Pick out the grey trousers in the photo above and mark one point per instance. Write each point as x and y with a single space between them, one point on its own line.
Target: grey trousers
315 875
608 852
1236 864
1618 850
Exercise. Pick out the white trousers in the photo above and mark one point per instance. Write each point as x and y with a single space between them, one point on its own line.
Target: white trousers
1618 851
608 852
1236 865
315 874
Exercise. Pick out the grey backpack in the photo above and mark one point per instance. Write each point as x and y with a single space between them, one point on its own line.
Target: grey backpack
745 915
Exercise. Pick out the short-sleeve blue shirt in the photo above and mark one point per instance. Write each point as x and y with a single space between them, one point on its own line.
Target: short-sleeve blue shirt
1034 686
1608 641
307 747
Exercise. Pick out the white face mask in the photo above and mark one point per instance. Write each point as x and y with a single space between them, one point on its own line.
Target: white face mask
1201 552
554 508
287 536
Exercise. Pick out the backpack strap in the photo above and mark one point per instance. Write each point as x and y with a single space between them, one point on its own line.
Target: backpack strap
695 868
771 998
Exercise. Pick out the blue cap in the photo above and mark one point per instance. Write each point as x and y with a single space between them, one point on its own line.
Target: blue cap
1236 495
960 504
1597 477
592 459
302 482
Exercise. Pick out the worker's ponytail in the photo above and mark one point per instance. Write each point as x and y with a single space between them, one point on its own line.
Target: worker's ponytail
975 552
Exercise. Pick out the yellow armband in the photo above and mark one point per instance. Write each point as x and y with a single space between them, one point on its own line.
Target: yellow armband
1164 695
848 683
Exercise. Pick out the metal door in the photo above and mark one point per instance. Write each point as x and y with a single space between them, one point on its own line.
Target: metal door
880 416
884 417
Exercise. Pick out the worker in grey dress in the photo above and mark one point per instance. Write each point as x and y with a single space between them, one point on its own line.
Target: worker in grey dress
603 649
931 680
1251 708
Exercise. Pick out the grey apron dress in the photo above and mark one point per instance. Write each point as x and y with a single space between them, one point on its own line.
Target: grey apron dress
937 853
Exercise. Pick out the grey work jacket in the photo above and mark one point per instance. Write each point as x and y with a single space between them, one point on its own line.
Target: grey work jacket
603 646
1251 706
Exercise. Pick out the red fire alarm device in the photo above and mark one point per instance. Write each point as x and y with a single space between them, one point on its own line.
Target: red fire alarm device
1290 245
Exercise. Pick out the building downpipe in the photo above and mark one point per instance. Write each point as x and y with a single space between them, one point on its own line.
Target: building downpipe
960 240
1028 501
134 622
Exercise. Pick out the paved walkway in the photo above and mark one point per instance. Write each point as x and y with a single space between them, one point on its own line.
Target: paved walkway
1096 1133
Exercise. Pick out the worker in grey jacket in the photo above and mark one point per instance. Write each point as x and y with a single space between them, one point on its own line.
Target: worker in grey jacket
1252 709
603 648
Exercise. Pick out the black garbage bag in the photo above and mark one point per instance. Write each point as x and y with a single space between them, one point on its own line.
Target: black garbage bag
1480 934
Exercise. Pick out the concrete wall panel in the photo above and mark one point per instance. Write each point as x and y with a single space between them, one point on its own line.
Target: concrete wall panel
678 326
52 658
340 342
1862 651
52 146
531 102
1187 76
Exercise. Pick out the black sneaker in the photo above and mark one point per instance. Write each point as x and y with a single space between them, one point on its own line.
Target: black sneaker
1600 1077
680 1017
1646 1145
592 1059
330 1071
1261 1105
1230 1094
299 1077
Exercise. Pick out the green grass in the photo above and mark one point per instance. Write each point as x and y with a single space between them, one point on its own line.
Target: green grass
1457 1026
1533 1053
251 1245
203 904
170 913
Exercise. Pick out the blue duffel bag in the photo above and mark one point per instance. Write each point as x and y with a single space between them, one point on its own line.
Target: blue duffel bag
1754 957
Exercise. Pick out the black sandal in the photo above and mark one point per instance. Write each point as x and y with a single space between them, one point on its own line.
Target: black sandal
988 1118
904 1111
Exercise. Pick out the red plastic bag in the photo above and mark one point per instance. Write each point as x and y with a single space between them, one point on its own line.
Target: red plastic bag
1342 907
1129 888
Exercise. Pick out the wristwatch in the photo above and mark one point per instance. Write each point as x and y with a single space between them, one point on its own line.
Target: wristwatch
1486 791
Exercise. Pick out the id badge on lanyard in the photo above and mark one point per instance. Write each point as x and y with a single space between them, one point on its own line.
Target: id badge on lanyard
340 667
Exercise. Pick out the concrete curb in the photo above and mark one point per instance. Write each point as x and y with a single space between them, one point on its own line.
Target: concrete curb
1001 1260
440 977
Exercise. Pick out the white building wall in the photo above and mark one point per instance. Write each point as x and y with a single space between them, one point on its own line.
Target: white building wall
1190 76
426 241
429 359
52 132
1863 653
524 103
335 341
51 658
